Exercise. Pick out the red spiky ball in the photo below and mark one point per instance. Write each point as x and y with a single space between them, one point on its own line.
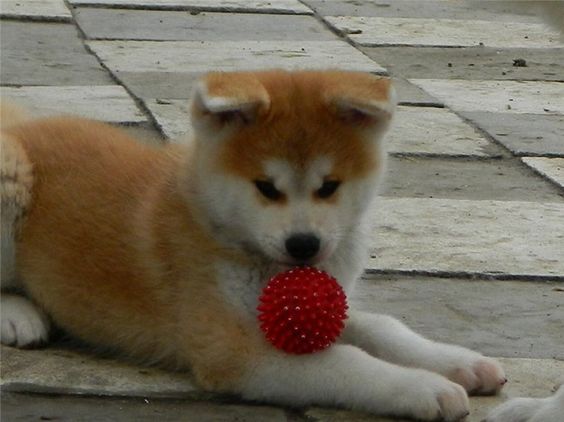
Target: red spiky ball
302 310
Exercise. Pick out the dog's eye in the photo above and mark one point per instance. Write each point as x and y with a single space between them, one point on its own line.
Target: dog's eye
268 190
328 188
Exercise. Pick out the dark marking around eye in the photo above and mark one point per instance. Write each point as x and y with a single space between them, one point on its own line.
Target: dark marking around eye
268 190
328 188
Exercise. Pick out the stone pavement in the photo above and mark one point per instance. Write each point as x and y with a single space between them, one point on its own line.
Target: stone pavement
468 241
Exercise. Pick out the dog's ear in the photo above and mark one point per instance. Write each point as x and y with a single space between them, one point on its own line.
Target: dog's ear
362 99
226 101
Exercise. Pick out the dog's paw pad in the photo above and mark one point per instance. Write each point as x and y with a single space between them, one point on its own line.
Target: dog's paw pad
22 323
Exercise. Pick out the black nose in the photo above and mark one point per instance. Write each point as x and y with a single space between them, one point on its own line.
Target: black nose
302 246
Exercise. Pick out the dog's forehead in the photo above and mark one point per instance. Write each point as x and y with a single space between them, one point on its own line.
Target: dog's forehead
287 173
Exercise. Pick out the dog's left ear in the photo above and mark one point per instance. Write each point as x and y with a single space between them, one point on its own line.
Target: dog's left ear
226 101
362 99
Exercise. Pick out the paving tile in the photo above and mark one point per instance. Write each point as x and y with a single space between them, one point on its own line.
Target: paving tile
523 134
36 53
271 6
35 9
60 371
117 105
510 318
470 62
504 11
528 378
435 131
375 31
409 94
165 85
454 178
100 23
484 238
19 407
201 56
551 168
172 118
497 96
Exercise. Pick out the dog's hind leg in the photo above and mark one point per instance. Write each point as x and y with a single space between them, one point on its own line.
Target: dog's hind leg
22 323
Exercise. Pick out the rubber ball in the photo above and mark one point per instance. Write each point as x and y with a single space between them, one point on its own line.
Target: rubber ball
302 310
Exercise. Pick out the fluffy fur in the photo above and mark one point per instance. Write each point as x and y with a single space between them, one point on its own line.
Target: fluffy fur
161 254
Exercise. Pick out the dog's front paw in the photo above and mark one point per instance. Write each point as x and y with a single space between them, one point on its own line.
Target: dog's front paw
478 375
516 410
550 409
22 323
432 397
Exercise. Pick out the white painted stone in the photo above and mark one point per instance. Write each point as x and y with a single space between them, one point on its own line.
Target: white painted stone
202 56
497 96
434 131
270 6
468 237
172 118
38 9
109 103
67 372
552 168
375 31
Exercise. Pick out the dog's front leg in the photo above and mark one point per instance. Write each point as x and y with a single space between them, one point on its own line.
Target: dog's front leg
346 376
389 339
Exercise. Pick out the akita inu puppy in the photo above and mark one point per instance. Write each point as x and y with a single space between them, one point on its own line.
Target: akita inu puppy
161 254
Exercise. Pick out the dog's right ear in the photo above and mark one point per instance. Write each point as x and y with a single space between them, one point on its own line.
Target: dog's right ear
227 101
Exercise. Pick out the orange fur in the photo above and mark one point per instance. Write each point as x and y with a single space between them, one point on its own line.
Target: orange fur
112 249
299 134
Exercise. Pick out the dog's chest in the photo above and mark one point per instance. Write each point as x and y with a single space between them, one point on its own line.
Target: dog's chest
242 285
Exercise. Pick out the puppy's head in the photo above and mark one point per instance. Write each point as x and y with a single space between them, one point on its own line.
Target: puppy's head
289 161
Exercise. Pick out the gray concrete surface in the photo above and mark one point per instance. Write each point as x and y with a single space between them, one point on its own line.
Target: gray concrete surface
523 134
473 193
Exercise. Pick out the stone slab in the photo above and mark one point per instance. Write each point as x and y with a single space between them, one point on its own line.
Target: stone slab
497 96
20 407
509 318
202 56
169 26
166 85
523 134
491 10
409 94
427 131
457 178
60 371
35 53
106 103
480 63
172 118
35 9
257 6
375 31
551 168
527 378
478 238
